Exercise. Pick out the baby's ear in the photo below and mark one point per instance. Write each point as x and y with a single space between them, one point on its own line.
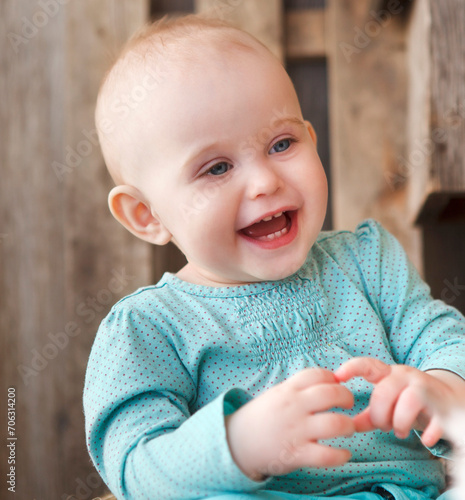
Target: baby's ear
129 207
311 131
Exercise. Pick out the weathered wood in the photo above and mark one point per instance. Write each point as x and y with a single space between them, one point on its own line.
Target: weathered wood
109 251
261 18
367 74
436 153
60 248
414 168
448 92
435 160
305 34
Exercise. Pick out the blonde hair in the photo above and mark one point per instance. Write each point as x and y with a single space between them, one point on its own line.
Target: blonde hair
154 51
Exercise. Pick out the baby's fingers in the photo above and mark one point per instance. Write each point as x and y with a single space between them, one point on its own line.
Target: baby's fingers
328 426
371 369
320 455
363 422
326 396
433 432
408 408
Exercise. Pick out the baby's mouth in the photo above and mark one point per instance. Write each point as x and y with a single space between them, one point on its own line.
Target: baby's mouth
269 228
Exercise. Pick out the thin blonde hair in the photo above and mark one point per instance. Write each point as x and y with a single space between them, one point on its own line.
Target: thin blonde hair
160 45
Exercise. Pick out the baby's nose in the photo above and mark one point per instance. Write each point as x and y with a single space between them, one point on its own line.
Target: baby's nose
264 180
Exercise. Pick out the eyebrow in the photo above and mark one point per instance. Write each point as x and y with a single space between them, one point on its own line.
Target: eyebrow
294 120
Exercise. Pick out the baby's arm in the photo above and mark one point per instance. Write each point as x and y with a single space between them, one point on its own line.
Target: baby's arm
405 398
283 426
143 436
425 337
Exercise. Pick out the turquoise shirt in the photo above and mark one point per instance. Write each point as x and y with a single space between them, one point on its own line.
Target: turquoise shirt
170 360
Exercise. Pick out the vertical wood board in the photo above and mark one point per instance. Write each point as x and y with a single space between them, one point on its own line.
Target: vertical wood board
367 75
448 93
60 244
261 18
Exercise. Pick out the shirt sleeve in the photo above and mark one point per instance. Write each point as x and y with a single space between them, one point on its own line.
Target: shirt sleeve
422 332
141 434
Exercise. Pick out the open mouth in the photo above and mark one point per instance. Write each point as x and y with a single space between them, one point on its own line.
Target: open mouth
276 229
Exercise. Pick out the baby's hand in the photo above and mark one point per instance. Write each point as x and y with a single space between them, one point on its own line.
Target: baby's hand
279 431
404 398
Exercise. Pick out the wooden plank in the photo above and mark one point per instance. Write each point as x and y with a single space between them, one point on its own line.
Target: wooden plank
368 82
305 34
435 158
414 168
261 18
32 263
61 248
448 93
103 261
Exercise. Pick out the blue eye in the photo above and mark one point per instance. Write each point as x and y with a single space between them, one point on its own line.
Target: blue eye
219 169
281 146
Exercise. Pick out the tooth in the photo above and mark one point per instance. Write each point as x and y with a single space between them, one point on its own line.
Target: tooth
266 219
278 215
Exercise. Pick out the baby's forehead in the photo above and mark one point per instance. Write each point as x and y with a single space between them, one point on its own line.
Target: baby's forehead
170 54
161 59
136 84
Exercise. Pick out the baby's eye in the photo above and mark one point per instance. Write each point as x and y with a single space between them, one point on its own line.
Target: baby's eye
280 146
219 169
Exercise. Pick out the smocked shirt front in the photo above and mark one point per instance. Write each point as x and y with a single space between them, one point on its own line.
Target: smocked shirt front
171 360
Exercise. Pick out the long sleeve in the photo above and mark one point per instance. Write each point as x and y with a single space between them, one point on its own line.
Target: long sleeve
422 332
142 437
170 361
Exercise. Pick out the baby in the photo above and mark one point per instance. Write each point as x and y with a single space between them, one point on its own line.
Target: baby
281 362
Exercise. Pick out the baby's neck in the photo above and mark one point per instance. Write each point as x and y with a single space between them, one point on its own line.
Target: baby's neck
192 275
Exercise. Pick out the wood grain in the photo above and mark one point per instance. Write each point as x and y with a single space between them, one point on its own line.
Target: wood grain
261 18
435 160
368 99
60 248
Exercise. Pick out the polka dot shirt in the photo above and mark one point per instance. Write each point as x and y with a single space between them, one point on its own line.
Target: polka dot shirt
171 360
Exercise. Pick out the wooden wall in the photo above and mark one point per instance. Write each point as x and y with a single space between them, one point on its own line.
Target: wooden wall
63 259
435 157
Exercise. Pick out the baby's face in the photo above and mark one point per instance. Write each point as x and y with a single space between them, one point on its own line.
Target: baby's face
233 173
